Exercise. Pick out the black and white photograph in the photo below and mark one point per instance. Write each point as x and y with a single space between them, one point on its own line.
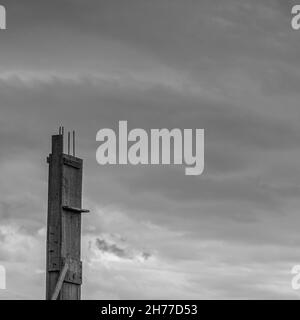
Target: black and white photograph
149 150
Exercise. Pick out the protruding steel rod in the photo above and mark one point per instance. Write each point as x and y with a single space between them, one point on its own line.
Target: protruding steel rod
73 143
69 137
63 139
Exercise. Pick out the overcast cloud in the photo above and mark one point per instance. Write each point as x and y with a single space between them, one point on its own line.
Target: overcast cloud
231 67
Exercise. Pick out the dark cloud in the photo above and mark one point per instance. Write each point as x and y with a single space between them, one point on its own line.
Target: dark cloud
230 67
111 248
123 253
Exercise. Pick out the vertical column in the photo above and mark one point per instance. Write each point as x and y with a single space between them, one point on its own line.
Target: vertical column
71 226
64 268
53 261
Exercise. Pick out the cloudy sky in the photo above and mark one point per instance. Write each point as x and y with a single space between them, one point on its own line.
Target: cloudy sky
231 67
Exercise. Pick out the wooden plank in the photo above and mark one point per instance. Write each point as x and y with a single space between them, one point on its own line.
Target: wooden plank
71 225
73 209
60 281
54 212
72 162
74 274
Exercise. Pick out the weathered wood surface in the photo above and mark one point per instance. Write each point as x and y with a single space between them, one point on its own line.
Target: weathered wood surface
64 223
60 282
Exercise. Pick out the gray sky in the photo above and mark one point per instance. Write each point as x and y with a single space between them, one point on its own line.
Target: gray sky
231 67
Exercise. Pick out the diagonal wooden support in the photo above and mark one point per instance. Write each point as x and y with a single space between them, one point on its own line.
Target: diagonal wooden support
60 281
